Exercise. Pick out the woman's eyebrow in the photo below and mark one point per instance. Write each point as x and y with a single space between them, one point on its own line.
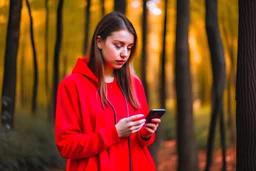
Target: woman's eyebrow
123 42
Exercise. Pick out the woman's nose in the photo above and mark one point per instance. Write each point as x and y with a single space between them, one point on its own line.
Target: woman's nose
124 53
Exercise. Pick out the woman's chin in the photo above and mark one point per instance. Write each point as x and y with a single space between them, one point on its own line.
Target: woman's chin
118 66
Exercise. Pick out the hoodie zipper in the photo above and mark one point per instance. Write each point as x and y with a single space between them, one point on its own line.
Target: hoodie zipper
128 114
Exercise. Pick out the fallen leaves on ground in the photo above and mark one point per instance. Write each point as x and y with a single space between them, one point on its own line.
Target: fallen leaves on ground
167 158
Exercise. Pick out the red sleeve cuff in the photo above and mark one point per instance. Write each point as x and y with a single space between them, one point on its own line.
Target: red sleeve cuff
143 141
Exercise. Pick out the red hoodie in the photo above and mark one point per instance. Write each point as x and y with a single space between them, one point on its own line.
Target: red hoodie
85 132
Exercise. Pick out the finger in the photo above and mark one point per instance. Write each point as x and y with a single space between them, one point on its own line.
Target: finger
156 120
149 130
136 129
151 125
135 117
137 123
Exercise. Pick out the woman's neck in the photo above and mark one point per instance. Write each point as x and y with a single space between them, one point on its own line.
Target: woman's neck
109 75
109 79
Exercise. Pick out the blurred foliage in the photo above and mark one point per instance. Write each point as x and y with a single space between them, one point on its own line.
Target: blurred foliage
73 36
30 146
201 125
202 122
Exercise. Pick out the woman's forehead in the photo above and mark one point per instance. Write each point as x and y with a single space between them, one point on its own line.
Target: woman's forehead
122 36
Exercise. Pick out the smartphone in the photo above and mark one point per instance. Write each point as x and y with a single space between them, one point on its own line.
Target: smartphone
154 113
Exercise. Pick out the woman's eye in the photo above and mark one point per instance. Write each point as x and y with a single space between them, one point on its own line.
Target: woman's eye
118 46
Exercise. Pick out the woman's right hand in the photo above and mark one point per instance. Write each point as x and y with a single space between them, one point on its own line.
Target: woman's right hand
129 125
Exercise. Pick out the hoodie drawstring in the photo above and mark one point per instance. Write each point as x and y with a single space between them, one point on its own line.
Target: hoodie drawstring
115 120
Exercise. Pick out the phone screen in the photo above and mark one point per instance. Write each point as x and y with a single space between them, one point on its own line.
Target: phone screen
154 113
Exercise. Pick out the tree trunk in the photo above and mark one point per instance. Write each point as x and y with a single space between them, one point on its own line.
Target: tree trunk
46 40
144 48
187 151
154 148
87 29
163 61
35 83
246 87
120 5
10 64
202 78
22 74
102 7
57 55
219 71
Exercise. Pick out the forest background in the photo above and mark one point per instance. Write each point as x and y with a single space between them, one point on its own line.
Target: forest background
32 143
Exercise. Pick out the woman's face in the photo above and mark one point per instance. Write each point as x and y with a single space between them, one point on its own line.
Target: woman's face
116 49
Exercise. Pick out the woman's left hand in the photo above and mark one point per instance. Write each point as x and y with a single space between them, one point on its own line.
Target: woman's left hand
150 128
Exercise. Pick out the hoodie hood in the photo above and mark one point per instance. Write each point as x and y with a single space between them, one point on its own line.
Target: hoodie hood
82 68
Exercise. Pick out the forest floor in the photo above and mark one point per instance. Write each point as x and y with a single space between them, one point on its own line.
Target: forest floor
168 157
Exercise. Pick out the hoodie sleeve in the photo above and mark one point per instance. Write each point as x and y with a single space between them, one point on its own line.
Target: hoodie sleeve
70 139
145 110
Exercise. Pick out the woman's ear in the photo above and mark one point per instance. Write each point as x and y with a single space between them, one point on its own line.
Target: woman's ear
99 42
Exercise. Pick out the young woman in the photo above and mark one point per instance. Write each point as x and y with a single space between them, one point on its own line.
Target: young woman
101 106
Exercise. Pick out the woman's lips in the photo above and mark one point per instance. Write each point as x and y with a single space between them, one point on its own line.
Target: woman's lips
121 62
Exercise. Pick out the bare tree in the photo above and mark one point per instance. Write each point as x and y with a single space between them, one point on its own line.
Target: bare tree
35 83
22 73
187 151
202 79
10 64
246 87
159 134
120 5
144 47
163 59
57 54
87 24
102 7
46 41
218 85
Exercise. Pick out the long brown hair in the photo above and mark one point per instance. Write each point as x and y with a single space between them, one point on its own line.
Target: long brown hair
112 22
